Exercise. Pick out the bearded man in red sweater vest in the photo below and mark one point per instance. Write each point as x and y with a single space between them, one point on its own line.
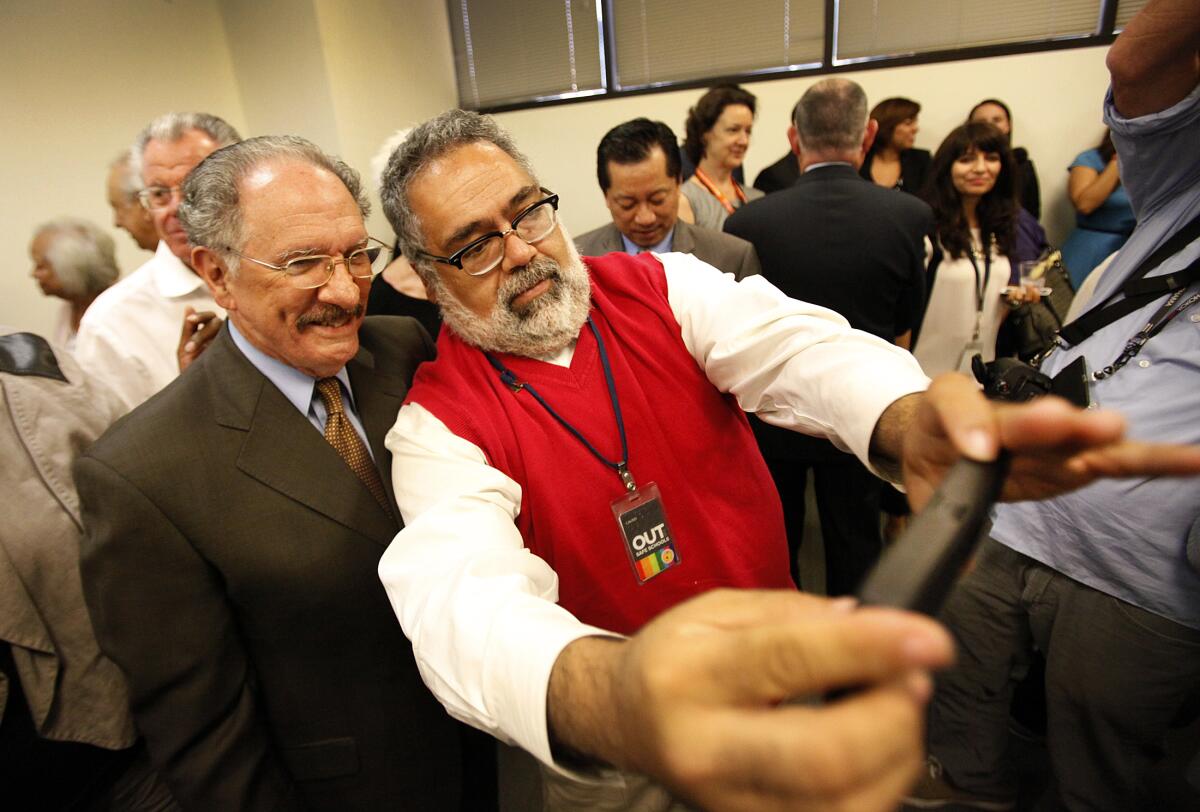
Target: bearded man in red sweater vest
577 463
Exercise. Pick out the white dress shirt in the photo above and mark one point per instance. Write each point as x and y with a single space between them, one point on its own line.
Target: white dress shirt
481 609
130 334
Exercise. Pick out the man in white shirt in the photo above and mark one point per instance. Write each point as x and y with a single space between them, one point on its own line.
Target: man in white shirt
500 524
139 334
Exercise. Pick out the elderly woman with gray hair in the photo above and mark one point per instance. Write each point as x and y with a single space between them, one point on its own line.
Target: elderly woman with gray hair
73 260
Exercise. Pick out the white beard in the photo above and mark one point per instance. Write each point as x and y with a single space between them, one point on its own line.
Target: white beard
541 328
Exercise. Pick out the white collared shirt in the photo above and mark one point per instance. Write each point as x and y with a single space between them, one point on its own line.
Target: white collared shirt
130 334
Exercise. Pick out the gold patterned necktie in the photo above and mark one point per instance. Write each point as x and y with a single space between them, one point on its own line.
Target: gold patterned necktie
345 440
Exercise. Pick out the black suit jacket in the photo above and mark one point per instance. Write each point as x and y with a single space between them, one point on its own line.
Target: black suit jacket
836 240
229 564
914 168
779 175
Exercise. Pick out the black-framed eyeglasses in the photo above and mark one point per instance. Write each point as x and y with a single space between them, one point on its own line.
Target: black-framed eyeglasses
482 255
313 271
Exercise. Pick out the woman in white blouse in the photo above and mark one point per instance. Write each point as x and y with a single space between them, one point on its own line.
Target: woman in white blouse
971 190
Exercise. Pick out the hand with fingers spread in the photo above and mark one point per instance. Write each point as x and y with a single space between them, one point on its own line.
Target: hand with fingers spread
198 330
697 699
1055 447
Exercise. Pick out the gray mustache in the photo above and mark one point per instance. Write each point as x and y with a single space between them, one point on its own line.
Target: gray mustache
328 315
537 270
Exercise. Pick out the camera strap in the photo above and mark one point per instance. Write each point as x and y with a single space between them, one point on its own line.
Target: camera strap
1138 290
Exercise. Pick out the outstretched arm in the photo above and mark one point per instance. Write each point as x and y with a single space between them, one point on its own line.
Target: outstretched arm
1056 447
697 699
1156 61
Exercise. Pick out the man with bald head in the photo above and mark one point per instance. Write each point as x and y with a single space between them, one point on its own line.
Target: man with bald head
136 335
234 522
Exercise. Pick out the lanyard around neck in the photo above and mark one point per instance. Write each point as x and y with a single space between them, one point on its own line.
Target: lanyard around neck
980 284
717 193
509 378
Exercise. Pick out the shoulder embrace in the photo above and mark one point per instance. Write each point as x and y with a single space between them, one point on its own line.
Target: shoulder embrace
396 335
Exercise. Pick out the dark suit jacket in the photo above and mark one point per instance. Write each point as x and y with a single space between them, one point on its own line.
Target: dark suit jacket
229 565
722 251
779 175
914 167
836 240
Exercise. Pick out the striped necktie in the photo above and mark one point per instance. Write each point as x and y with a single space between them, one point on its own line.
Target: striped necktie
345 440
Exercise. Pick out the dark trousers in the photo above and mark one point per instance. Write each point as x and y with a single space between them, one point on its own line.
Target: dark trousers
1117 678
848 509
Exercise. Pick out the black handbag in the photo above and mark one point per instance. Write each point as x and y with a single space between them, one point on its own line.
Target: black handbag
1031 327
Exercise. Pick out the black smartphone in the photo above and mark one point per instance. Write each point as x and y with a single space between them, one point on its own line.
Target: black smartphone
919 569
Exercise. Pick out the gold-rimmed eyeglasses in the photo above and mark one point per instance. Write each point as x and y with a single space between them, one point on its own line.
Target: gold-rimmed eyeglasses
314 270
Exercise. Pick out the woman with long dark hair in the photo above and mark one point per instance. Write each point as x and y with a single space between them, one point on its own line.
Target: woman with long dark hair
1103 216
970 188
718 135
1029 193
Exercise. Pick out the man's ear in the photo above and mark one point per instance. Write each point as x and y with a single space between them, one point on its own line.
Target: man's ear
794 140
869 137
211 268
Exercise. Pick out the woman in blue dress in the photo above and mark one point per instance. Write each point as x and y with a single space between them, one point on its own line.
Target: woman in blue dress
1104 218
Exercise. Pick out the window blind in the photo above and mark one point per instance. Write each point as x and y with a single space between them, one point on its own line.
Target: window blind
1126 9
509 51
876 28
663 41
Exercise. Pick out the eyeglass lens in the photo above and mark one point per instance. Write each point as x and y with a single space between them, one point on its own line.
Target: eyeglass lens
531 226
314 271
158 197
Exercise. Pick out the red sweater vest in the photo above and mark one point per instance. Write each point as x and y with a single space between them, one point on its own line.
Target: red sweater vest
683 434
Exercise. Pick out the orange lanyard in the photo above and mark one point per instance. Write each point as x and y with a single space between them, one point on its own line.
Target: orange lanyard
717 193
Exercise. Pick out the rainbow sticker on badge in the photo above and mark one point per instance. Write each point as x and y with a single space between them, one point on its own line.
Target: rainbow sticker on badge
656 562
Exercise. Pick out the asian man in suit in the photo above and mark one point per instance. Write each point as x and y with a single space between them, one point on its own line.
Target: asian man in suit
637 164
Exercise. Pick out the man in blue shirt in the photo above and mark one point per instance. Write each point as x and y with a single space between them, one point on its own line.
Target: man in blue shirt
1098 579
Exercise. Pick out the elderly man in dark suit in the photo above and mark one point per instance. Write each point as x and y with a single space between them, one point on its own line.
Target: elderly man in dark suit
838 241
230 551
637 164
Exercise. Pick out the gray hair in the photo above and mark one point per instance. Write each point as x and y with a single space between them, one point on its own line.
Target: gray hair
425 144
82 255
173 126
130 182
210 211
831 116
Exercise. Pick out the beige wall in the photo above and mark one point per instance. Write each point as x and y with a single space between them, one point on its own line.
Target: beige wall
1055 98
82 78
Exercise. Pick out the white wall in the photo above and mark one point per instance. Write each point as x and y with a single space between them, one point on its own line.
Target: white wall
1055 98
81 79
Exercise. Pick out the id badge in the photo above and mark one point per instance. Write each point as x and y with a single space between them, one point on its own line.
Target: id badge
644 529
